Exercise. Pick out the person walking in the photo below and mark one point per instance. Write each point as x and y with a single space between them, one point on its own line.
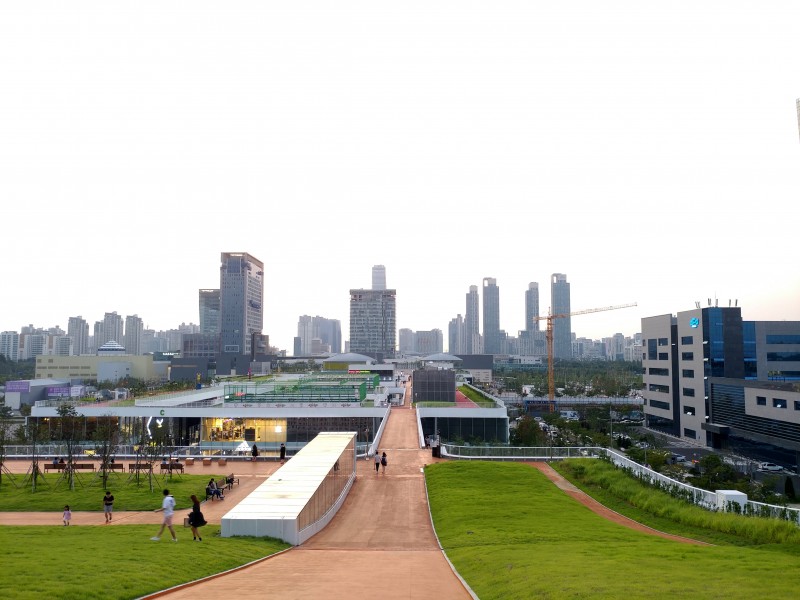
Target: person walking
255 453
168 506
196 519
283 453
67 515
383 463
108 505
377 463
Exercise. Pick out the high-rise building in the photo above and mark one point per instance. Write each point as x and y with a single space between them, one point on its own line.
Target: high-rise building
532 307
134 327
472 331
456 338
378 277
78 330
329 332
428 342
305 331
241 284
373 322
491 316
406 341
209 311
112 328
9 345
562 327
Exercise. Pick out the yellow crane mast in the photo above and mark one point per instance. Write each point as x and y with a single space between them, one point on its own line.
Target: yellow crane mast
551 385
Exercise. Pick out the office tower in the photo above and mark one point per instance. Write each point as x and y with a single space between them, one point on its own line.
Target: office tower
241 284
428 342
472 336
491 316
209 311
9 345
305 331
78 330
329 332
373 322
112 328
456 342
378 277
562 327
134 327
532 307
406 341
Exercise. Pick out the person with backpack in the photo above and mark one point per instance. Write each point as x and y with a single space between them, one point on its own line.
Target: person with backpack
383 463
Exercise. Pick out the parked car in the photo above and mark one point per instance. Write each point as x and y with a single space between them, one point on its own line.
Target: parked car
768 466
679 458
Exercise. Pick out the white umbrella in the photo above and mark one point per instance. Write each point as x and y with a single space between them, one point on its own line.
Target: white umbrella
243 447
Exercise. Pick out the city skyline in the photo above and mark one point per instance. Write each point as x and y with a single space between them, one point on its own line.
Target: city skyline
650 153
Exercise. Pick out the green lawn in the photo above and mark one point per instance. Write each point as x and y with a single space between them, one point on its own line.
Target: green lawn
512 534
115 562
88 492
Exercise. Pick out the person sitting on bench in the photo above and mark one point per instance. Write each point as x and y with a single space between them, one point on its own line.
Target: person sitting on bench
213 490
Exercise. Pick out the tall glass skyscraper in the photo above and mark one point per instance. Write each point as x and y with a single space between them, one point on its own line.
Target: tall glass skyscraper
241 283
532 307
472 328
562 327
491 316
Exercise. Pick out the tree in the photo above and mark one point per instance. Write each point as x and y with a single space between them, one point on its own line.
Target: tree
528 433
106 440
70 422
6 434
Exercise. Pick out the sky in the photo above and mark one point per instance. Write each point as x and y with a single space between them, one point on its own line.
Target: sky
648 150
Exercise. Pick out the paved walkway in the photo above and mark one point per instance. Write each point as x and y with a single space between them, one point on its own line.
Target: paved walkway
379 545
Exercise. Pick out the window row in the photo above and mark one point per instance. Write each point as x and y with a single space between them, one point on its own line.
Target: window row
777 402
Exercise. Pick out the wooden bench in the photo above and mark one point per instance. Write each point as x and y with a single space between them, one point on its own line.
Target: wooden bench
56 467
206 462
189 462
172 467
83 467
133 467
230 480
114 467
222 462
212 497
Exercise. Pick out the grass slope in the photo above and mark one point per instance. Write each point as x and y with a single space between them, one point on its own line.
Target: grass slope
512 534
115 562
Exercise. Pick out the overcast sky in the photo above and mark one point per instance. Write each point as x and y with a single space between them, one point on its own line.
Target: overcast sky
649 150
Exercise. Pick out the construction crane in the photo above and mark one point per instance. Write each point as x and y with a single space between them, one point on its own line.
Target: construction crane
551 385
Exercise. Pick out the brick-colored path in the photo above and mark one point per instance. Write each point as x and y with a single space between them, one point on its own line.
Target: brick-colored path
380 544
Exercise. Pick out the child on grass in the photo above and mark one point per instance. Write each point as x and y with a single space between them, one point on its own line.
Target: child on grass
67 514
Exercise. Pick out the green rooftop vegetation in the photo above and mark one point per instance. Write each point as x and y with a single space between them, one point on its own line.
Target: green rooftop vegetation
512 534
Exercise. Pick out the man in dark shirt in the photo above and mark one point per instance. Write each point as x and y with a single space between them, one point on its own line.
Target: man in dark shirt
108 505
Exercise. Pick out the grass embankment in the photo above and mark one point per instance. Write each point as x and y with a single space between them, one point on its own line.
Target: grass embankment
88 493
115 562
512 534
619 491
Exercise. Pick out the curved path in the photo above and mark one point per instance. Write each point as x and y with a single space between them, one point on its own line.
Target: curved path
603 511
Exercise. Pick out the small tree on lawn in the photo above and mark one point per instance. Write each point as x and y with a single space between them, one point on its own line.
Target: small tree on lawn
71 433
106 441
